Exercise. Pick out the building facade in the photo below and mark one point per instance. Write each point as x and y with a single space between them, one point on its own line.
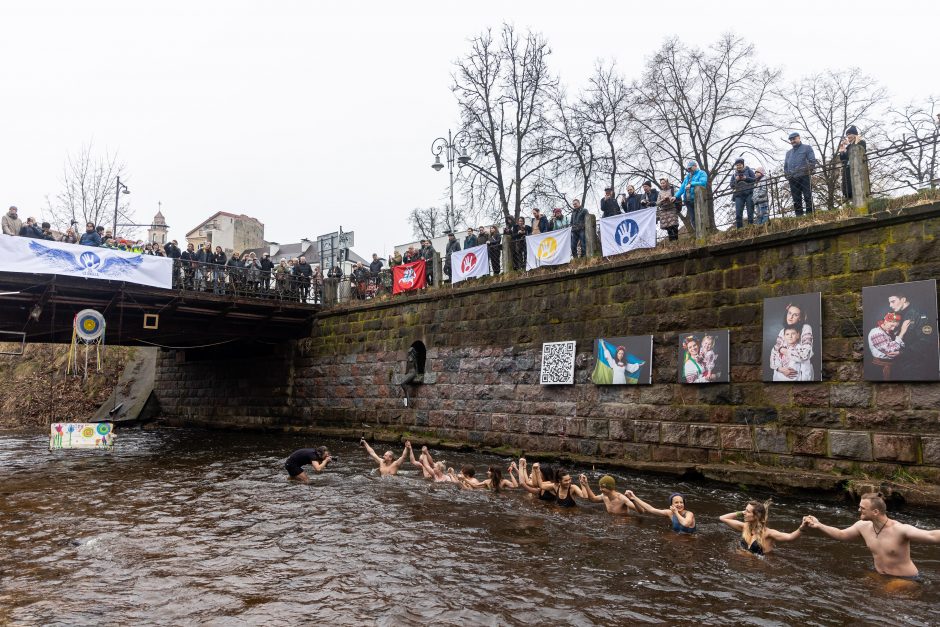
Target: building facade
157 233
234 233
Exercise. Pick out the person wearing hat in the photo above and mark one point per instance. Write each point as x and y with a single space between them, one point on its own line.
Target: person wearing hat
609 206
614 502
761 196
852 138
798 167
742 187
694 177
558 221
650 196
11 222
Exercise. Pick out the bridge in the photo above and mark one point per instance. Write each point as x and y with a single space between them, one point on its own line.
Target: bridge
43 306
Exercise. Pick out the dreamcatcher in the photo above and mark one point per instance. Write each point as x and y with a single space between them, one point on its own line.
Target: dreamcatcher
87 329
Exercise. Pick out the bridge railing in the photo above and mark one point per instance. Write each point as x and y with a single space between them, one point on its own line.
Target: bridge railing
247 282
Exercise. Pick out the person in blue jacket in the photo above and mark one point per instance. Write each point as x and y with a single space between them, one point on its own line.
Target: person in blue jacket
694 178
798 167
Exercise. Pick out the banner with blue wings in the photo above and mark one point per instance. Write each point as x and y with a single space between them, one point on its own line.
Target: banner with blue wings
35 256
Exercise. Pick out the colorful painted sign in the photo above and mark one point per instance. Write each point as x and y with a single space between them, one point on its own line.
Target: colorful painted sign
81 435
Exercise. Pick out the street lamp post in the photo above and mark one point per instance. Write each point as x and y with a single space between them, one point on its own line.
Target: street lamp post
450 148
119 188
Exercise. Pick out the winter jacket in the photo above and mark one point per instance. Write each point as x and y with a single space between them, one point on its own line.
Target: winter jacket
692 179
577 219
558 223
761 194
609 207
745 185
90 239
800 161
11 225
631 203
649 199
469 241
540 224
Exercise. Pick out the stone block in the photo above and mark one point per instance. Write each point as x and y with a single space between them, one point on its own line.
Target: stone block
674 433
931 447
850 395
925 395
598 429
645 431
811 395
894 448
621 429
770 440
664 453
892 396
704 436
808 441
851 444
736 438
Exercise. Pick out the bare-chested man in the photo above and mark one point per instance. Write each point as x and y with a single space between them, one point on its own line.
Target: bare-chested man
388 465
888 540
615 502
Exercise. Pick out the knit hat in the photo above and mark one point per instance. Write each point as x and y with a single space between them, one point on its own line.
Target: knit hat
793 135
851 130
649 183
739 160
607 482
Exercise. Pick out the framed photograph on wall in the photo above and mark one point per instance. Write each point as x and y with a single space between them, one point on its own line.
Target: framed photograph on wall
557 363
792 338
623 360
900 330
703 357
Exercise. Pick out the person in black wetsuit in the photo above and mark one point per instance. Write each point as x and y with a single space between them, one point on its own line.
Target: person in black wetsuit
756 536
317 457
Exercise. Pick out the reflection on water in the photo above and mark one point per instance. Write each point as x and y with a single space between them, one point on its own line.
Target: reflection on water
192 526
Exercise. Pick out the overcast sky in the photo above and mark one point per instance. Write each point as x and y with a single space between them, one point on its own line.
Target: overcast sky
314 115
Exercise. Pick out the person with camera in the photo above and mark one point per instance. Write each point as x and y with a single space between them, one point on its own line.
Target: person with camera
609 205
742 186
388 465
649 197
798 168
318 458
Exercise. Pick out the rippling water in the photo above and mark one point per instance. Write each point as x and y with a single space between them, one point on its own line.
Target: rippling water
191 527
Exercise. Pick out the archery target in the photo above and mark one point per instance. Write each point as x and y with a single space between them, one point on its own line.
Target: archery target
89 325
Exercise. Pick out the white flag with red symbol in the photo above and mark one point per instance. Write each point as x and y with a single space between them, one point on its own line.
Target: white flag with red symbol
469 263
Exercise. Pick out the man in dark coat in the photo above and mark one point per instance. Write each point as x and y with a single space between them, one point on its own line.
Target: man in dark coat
609 206
918 358
742 186
453 246
630 202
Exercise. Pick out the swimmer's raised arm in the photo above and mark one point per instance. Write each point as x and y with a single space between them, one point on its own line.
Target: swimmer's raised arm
589 493
731 519
780 536
370 451
643 506
404 453
914 534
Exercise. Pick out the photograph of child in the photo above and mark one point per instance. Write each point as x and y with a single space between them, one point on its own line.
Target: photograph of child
703 357
792 333
623 360
900 322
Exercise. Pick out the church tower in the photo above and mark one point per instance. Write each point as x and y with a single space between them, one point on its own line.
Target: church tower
157 232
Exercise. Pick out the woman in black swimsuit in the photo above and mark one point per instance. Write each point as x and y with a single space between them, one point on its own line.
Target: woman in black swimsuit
532 482
756 536
564 490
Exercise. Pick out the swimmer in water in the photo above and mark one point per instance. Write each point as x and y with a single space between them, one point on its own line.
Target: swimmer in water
317 457
468 479
888 540
683 521
564 490
494 481
435 471
388 465
615 502
756 536
532 482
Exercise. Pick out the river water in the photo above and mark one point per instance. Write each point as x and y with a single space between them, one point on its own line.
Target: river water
185 527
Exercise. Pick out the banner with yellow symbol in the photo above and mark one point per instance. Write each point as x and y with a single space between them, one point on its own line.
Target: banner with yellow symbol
548 249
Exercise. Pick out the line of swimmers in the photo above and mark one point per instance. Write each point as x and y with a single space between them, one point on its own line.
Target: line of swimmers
888 540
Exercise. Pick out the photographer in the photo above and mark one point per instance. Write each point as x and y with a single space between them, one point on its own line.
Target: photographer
318 458
742 184
650 196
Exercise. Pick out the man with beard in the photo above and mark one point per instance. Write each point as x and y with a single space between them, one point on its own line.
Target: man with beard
918 359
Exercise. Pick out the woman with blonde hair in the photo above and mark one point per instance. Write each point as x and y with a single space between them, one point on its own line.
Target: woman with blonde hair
756 536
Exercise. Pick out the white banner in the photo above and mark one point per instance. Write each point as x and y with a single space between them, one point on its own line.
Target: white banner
38 256
623 233
548 249
469 263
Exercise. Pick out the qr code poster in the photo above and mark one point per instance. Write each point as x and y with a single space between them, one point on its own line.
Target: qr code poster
558 363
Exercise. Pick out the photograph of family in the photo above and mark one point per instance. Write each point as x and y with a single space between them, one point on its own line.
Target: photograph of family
623 360
900 326
703 357
793 338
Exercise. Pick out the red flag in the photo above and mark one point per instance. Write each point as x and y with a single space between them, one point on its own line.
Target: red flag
409 276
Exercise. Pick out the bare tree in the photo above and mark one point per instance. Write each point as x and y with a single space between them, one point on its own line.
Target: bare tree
710 106
501 87
821 107
429 222
605 109
88 189
916 137
571 138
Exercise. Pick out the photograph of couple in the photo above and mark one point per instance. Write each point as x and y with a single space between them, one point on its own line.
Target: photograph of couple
703 357
900 323
793 338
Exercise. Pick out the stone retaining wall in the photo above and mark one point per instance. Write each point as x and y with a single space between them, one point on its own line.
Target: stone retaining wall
484 345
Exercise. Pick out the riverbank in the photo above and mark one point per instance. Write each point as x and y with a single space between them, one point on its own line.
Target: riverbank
36 390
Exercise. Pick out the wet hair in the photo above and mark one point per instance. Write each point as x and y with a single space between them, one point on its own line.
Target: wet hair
496 478
559 473
756 530
877 500
468 471
322 452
